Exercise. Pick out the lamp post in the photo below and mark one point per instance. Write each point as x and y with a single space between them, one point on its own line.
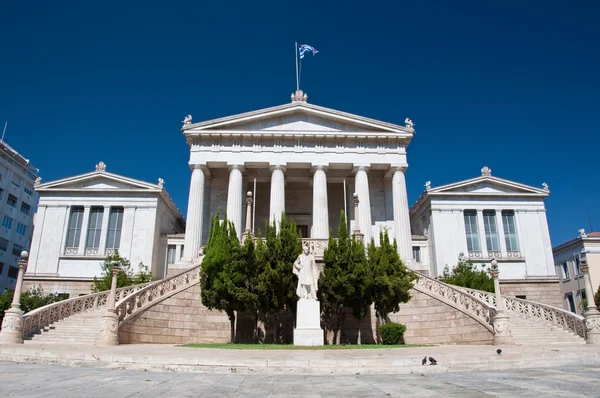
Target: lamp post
248 231
501 323
356 234
109 335
12 324
591 314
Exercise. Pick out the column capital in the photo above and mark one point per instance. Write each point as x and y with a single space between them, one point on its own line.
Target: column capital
202 167
398 167
361 167
236 167
277 167
316 167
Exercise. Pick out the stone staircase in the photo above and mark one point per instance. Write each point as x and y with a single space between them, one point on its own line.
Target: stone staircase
530 331
79 328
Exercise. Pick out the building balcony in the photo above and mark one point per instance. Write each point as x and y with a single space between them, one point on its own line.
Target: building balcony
495 254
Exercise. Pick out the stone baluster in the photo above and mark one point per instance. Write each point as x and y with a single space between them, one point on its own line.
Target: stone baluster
501 323
109 335
364 207
320 213
12 324
193 229
277 204
235 198
248 231
356 232
591 314
401 217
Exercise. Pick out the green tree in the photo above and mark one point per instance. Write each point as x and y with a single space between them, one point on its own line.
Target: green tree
597 297
392 281
334 281
30 300
466 274
275 256
360 282
126 277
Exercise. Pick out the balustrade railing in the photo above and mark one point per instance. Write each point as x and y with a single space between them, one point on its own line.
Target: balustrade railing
34 320
71 251
143 298
543 312
457 298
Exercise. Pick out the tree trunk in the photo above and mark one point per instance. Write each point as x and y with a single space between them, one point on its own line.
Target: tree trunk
341 317
358 338
275 328
231 316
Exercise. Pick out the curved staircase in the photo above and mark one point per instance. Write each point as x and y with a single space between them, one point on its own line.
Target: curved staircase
80 328
527 331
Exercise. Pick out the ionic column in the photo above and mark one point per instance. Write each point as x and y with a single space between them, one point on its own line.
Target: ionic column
193 228
234 198
401 218
320 212
364 206
277 205
501 321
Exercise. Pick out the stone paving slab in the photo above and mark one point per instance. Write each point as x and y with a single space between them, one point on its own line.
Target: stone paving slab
173 358
25 380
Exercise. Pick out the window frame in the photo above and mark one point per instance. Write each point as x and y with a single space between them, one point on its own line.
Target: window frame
508 233
22 227
25 206
492 238
17 252
94 230
471 235
113 233
14 199
74 232
416 252
7 222
171 252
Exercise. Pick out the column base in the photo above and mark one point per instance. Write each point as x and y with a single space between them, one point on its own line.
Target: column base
247 234
592 325
109 335
502 335
308 330
12 327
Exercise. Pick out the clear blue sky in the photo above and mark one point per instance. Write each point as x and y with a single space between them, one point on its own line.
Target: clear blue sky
514 85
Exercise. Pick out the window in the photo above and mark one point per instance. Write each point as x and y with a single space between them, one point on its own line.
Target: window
12 201
25 208
171 254
565 270
570 302
471 230
17 250
13 272
491 230
7 222
522 297
3 244
21 229
94 228
417 254
181 251
577 266
28 191
115 222
510 230
74 231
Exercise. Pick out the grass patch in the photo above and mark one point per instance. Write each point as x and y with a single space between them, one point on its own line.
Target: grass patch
293 347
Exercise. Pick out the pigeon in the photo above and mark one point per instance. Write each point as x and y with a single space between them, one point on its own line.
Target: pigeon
424 362
498 351
432 361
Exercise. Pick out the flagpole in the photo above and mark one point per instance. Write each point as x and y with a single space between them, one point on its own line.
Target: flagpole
296 51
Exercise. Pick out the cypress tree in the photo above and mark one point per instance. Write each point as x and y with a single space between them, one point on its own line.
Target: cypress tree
391 279
360 283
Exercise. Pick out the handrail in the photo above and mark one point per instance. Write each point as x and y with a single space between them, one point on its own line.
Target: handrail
457 298
44 316
131 305
567 320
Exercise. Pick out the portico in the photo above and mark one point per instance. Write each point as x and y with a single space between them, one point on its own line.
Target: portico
286 153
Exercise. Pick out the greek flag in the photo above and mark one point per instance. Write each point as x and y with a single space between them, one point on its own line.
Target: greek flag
304 48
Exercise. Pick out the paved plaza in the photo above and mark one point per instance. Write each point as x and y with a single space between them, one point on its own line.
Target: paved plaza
38 380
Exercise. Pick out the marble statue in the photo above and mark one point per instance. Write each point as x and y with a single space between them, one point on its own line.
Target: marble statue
545 186
161 182
101 166
306 269
38 181
409 123
486 171
187 120
428 185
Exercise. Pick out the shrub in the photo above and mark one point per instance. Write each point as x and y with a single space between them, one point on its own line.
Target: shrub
392 333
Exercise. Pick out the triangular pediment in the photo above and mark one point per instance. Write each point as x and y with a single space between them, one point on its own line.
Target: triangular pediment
98 181
487 185
297 117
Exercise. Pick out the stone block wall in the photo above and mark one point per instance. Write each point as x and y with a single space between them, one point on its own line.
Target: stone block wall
180 319
73 288
546 291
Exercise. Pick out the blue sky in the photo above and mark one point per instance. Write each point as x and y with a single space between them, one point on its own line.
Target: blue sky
513 85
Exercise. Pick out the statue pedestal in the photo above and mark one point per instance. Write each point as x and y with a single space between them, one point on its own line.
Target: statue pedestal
308 330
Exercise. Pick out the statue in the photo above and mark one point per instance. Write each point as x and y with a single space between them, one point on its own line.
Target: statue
101 166
486 171
161 182
299 96
428 185
409 123
187 120
545 186
37 182
305 268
